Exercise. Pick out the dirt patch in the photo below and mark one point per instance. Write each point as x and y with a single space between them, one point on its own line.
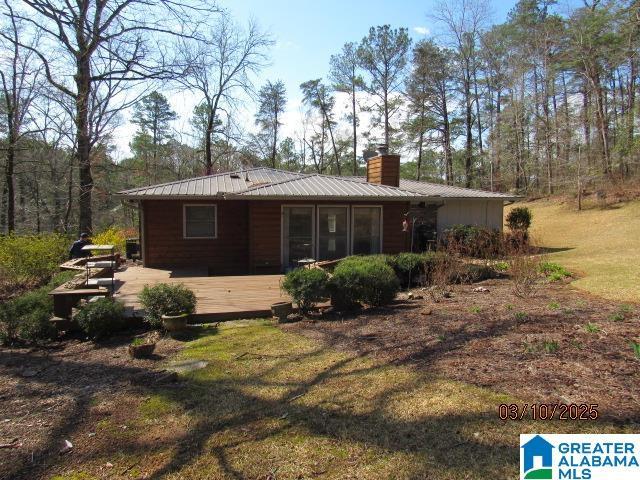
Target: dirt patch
561 346
70 389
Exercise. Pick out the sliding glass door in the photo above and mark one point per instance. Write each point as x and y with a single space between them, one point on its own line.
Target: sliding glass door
297 235
333 232
367 230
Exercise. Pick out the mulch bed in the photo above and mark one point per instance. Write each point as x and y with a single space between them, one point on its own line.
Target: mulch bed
537 349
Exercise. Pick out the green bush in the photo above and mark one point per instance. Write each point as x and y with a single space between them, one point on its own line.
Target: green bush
28 259
519 219
27 318
101 319
306 286
408 267
368 280
166 299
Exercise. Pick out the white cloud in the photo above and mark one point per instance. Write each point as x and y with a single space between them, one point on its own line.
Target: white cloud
422 30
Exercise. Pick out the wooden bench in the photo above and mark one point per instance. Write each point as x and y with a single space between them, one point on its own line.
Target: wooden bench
64 299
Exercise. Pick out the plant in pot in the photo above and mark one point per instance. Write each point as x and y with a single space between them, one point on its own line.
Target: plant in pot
141 348
168 306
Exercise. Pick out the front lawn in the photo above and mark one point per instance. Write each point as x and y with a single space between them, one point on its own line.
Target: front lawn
326 399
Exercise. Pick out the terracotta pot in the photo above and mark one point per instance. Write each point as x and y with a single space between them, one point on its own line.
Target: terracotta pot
142 351
175 323
280 310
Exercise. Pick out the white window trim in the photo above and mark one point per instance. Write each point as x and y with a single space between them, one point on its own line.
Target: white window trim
318 207
352 235
313 227
184 220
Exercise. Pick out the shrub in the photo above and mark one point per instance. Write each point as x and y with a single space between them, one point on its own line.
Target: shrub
473 241
27 317
166 299
306 286
524 275
101 319
519 219
471 273
501 266
112 236
408 267
368 280
28 259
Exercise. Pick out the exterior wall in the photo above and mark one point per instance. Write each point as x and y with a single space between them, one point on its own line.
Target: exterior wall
265 238
165 245
249 235
470 212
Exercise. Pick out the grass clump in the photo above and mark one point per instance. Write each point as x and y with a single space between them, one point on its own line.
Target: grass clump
475 309
553 271
550 346
102 318
592 328
636 349
520 316
166 299
306 286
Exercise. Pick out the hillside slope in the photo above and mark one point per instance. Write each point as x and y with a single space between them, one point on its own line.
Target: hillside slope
602 246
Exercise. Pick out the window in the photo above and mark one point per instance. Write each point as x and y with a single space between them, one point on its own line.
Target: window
332 233
200 221
367 230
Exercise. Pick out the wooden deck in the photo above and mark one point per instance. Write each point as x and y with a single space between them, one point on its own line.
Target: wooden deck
219 298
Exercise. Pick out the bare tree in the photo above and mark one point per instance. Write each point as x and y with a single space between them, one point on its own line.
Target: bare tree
93 50
221 68
464 20
20 82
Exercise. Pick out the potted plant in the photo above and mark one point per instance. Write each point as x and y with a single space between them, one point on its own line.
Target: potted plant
281 310
168 306
141 348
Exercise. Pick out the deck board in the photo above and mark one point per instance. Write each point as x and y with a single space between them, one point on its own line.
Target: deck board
219 298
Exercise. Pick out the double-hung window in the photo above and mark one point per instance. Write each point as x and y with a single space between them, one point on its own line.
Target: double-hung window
200 221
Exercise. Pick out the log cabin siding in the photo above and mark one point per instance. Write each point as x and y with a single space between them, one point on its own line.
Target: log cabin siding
165 245
249 234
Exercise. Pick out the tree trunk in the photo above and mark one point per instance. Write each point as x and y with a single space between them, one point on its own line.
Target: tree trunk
354 122
468 160
446 133
10 184
83 154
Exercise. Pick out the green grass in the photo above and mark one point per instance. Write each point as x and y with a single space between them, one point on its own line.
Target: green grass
601 246
272 402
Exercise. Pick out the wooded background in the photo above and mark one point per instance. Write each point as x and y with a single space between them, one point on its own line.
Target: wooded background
543 103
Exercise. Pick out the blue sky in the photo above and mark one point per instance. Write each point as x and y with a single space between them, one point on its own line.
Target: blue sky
306 34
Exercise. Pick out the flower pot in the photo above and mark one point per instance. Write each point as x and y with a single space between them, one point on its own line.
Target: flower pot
280 310
175 323
142 351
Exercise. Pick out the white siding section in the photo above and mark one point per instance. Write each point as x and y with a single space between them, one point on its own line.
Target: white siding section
480 212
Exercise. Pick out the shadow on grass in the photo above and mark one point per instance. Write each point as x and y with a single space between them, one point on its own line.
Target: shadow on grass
226 414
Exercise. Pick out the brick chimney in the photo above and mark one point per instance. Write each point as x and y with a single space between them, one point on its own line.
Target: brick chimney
384 168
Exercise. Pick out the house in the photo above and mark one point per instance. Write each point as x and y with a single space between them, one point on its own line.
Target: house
262 220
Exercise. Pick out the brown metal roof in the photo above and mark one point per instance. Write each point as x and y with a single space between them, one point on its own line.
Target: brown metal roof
267 184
